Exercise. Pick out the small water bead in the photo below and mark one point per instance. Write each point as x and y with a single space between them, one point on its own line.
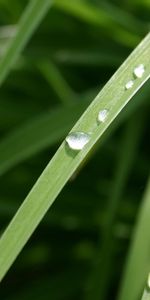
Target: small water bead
148 281
139 71
129 84
102 115
77 140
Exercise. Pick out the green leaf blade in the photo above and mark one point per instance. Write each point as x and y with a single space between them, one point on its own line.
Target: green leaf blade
138 260
32 16
113 97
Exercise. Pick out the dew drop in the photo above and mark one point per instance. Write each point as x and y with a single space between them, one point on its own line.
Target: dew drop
77 140
129 84
139 71
102 115
148 281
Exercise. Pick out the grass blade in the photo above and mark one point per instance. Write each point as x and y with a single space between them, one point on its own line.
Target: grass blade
53 76
99 17
103 267
113 97
32 16
12 151
138 261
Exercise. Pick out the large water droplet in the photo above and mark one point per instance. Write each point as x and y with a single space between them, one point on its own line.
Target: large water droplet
139 71
102 115
77 140
129 84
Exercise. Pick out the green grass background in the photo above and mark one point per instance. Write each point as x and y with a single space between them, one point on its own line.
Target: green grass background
71 55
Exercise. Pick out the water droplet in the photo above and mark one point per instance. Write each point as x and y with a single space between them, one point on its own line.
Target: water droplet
129 84
148 281
77 140
102 115
139 71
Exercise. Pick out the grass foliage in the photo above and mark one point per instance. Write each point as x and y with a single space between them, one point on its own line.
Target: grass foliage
94 241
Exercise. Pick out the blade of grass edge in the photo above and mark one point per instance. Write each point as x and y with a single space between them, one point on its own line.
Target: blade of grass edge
53 76
112 97
103 264
29 21
138 260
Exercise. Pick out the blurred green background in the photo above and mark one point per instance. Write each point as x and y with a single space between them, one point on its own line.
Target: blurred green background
80 248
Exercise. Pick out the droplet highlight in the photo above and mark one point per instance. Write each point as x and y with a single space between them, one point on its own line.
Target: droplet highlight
102 115
148 281
139 71
129 85
77 140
